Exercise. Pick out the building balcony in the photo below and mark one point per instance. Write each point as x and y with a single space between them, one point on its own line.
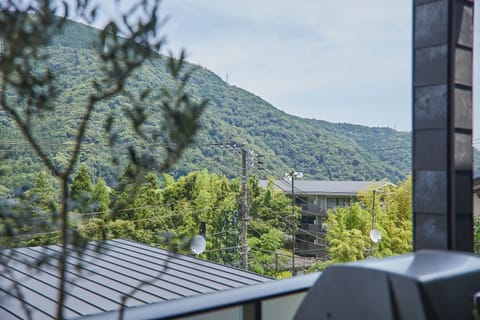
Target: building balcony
312 228
313 209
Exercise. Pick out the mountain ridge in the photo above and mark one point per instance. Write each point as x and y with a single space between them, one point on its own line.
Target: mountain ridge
321 149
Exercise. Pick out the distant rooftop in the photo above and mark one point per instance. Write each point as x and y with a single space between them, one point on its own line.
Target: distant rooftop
319 187
106 276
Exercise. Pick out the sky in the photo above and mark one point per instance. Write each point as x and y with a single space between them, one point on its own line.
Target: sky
340 61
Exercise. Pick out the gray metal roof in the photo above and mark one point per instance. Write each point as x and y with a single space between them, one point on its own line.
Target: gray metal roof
195 307
318 187
105 276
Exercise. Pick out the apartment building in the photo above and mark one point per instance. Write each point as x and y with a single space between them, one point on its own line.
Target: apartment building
315 197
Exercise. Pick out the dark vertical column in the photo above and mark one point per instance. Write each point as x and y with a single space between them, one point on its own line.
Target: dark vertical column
442 124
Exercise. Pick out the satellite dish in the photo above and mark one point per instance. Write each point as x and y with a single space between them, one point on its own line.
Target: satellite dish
375 235
198 244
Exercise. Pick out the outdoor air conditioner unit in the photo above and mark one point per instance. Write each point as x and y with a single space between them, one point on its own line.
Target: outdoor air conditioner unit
423 285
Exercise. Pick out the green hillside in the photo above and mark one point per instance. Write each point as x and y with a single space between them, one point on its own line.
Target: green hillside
320 149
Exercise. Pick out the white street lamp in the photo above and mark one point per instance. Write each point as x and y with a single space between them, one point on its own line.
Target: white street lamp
198 244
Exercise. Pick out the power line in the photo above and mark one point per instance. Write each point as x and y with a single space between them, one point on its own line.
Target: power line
154 206
176 214
300 192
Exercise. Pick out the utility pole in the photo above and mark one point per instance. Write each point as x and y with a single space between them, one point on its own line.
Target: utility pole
244 210
291 177
249 159
373 220
375 234
294 231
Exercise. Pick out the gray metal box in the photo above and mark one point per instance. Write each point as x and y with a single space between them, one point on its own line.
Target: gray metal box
425 285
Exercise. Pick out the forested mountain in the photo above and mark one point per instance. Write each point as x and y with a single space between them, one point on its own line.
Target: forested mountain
321 150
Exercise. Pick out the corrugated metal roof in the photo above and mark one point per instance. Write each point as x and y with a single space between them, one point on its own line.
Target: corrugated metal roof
105 276
318 187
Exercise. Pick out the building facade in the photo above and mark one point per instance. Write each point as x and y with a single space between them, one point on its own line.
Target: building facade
315 198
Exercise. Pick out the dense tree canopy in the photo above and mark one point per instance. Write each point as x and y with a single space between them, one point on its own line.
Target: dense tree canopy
167 212
176 209
385 207
81 190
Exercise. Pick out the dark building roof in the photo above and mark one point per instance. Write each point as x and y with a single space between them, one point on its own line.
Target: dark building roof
105 276
318 187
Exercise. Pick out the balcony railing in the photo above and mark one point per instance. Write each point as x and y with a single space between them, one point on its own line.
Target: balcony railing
311 228
313 209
